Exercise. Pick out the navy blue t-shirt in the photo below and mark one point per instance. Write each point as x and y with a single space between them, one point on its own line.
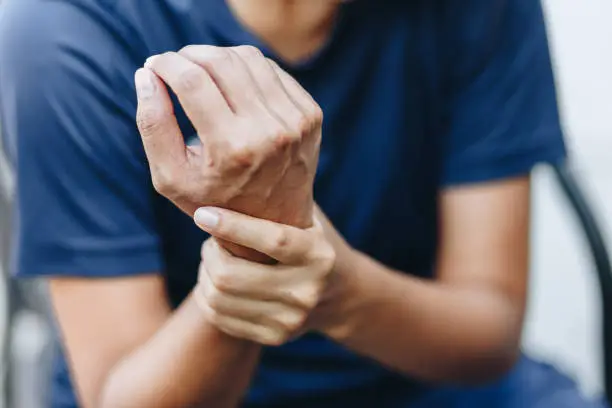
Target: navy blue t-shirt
418 95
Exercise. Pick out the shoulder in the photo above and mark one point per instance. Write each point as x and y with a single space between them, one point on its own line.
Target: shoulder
101 28
26 23
501 98
53 44
472 30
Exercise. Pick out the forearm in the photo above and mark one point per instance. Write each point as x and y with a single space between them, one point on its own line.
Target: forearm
187 363
428 329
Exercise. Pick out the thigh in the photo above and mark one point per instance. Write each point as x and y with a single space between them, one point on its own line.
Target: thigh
530 385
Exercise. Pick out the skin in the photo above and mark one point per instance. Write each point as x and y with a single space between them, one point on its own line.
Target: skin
258 150
294 29
463 326
272 156
267 304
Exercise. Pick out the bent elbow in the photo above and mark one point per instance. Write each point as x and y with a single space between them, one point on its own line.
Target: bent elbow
487 367
494 348
112 396
118 393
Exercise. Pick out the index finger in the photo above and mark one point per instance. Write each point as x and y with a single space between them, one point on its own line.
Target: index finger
161 136
284 243
197 92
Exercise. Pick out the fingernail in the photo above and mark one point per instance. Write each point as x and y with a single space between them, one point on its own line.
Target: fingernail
206 217
145 87
150 60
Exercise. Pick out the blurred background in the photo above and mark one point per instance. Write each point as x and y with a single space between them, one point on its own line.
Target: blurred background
564 318
564 322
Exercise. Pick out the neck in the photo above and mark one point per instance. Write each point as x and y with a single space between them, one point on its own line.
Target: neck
293 29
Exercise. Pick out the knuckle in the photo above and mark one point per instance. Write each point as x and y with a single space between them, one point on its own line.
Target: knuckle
190 79
275 338
325 256
310 297
213 315
249 52
165 181
205 54
295 137
303 126
214 298
223 281
293 321
272 64
241 157
190 49
166 55
308 121
316 115
150 120
160 59
283 138
215 56
281 240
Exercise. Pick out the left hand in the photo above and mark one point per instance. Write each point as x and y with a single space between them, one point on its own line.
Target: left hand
267 304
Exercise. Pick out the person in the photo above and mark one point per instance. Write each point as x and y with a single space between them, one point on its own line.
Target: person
396 276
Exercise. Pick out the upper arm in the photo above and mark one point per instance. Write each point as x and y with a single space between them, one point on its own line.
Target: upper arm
502 105
485 238
84 195
503 120
84 207
103 321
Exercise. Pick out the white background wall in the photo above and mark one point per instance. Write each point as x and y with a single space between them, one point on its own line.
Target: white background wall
563 322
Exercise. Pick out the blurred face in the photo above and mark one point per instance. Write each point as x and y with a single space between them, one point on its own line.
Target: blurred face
286 17
294 29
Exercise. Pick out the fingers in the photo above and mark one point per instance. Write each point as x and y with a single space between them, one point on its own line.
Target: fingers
286 244
298 94
261 311
225 272
255 318
246 279
311 112
276 97
251 84
230 74
239 328
160 132
197 92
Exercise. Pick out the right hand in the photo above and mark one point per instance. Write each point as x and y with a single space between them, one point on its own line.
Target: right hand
259 133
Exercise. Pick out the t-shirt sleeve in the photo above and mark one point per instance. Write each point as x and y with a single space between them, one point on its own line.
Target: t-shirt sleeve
84 197
503 114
